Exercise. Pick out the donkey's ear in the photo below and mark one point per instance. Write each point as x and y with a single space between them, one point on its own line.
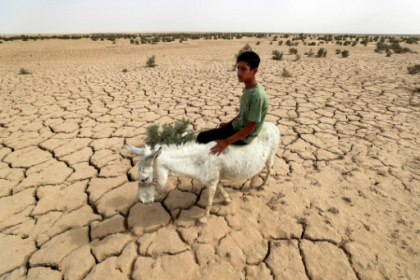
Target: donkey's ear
134 150
154 155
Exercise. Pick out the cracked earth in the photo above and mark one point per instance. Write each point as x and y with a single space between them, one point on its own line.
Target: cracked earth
342 202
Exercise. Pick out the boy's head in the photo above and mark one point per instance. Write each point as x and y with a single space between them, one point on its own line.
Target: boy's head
249 57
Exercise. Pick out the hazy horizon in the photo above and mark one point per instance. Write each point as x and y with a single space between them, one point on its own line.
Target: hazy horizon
187 16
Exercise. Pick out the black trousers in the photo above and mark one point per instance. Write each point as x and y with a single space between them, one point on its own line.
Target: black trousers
218 133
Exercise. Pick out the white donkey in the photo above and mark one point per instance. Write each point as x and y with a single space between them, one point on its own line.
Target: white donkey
193 160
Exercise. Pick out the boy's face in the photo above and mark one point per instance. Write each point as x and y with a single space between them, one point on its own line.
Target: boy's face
245 73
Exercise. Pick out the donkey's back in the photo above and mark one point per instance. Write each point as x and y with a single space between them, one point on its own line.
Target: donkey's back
243 162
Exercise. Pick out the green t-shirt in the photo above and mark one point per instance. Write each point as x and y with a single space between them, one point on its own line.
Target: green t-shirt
254 105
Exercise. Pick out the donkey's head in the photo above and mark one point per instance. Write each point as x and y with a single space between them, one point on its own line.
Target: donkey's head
150 177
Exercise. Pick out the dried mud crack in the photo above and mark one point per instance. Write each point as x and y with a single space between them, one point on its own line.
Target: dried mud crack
341 203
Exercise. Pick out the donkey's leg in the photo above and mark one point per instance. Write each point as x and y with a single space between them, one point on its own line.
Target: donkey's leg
224 193
211 190
254 180
268 165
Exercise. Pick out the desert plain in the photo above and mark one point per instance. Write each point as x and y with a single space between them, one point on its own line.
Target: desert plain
342 201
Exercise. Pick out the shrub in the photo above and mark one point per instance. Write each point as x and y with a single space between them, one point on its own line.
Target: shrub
280 42
155 40
337 51
398 49
277 55
170 134
245 48
414 69
258 43
125 70
380 47
310 53
345 53
151 62
321 53
411 40
293 51
297 57
23 71
286 73
144 40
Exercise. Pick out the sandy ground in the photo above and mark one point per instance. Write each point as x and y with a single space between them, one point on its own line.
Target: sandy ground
343 202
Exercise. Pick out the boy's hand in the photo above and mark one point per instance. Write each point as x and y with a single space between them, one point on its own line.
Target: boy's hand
219 147
221 125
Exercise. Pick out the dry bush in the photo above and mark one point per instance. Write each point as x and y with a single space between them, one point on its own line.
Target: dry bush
286 73
151 62
414 69
276 55
345 53
24 71
170 134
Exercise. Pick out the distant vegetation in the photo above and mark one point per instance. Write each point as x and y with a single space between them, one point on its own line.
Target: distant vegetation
145 38
286 73
321 53
384 44
310 53
395 47
288 39
345 53
245 48
23 71
414 69
276 55
293 51
151 62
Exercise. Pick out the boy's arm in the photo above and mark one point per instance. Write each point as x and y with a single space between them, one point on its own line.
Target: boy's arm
223 143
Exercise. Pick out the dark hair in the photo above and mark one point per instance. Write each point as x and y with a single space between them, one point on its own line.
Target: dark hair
249 57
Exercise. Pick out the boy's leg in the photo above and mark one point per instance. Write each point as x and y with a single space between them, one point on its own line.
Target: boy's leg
213 134
218 133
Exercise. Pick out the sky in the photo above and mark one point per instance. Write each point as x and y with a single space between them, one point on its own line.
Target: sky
270 16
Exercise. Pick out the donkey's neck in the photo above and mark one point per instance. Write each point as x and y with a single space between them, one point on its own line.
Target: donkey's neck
182 162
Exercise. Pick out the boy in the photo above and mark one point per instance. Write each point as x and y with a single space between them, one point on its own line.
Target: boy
242 129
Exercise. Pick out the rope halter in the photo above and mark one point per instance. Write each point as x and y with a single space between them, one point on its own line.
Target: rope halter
155 179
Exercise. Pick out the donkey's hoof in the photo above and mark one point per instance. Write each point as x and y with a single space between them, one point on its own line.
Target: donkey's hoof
227 201
202 220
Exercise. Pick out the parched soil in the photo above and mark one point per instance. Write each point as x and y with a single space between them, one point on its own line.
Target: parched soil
343 200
